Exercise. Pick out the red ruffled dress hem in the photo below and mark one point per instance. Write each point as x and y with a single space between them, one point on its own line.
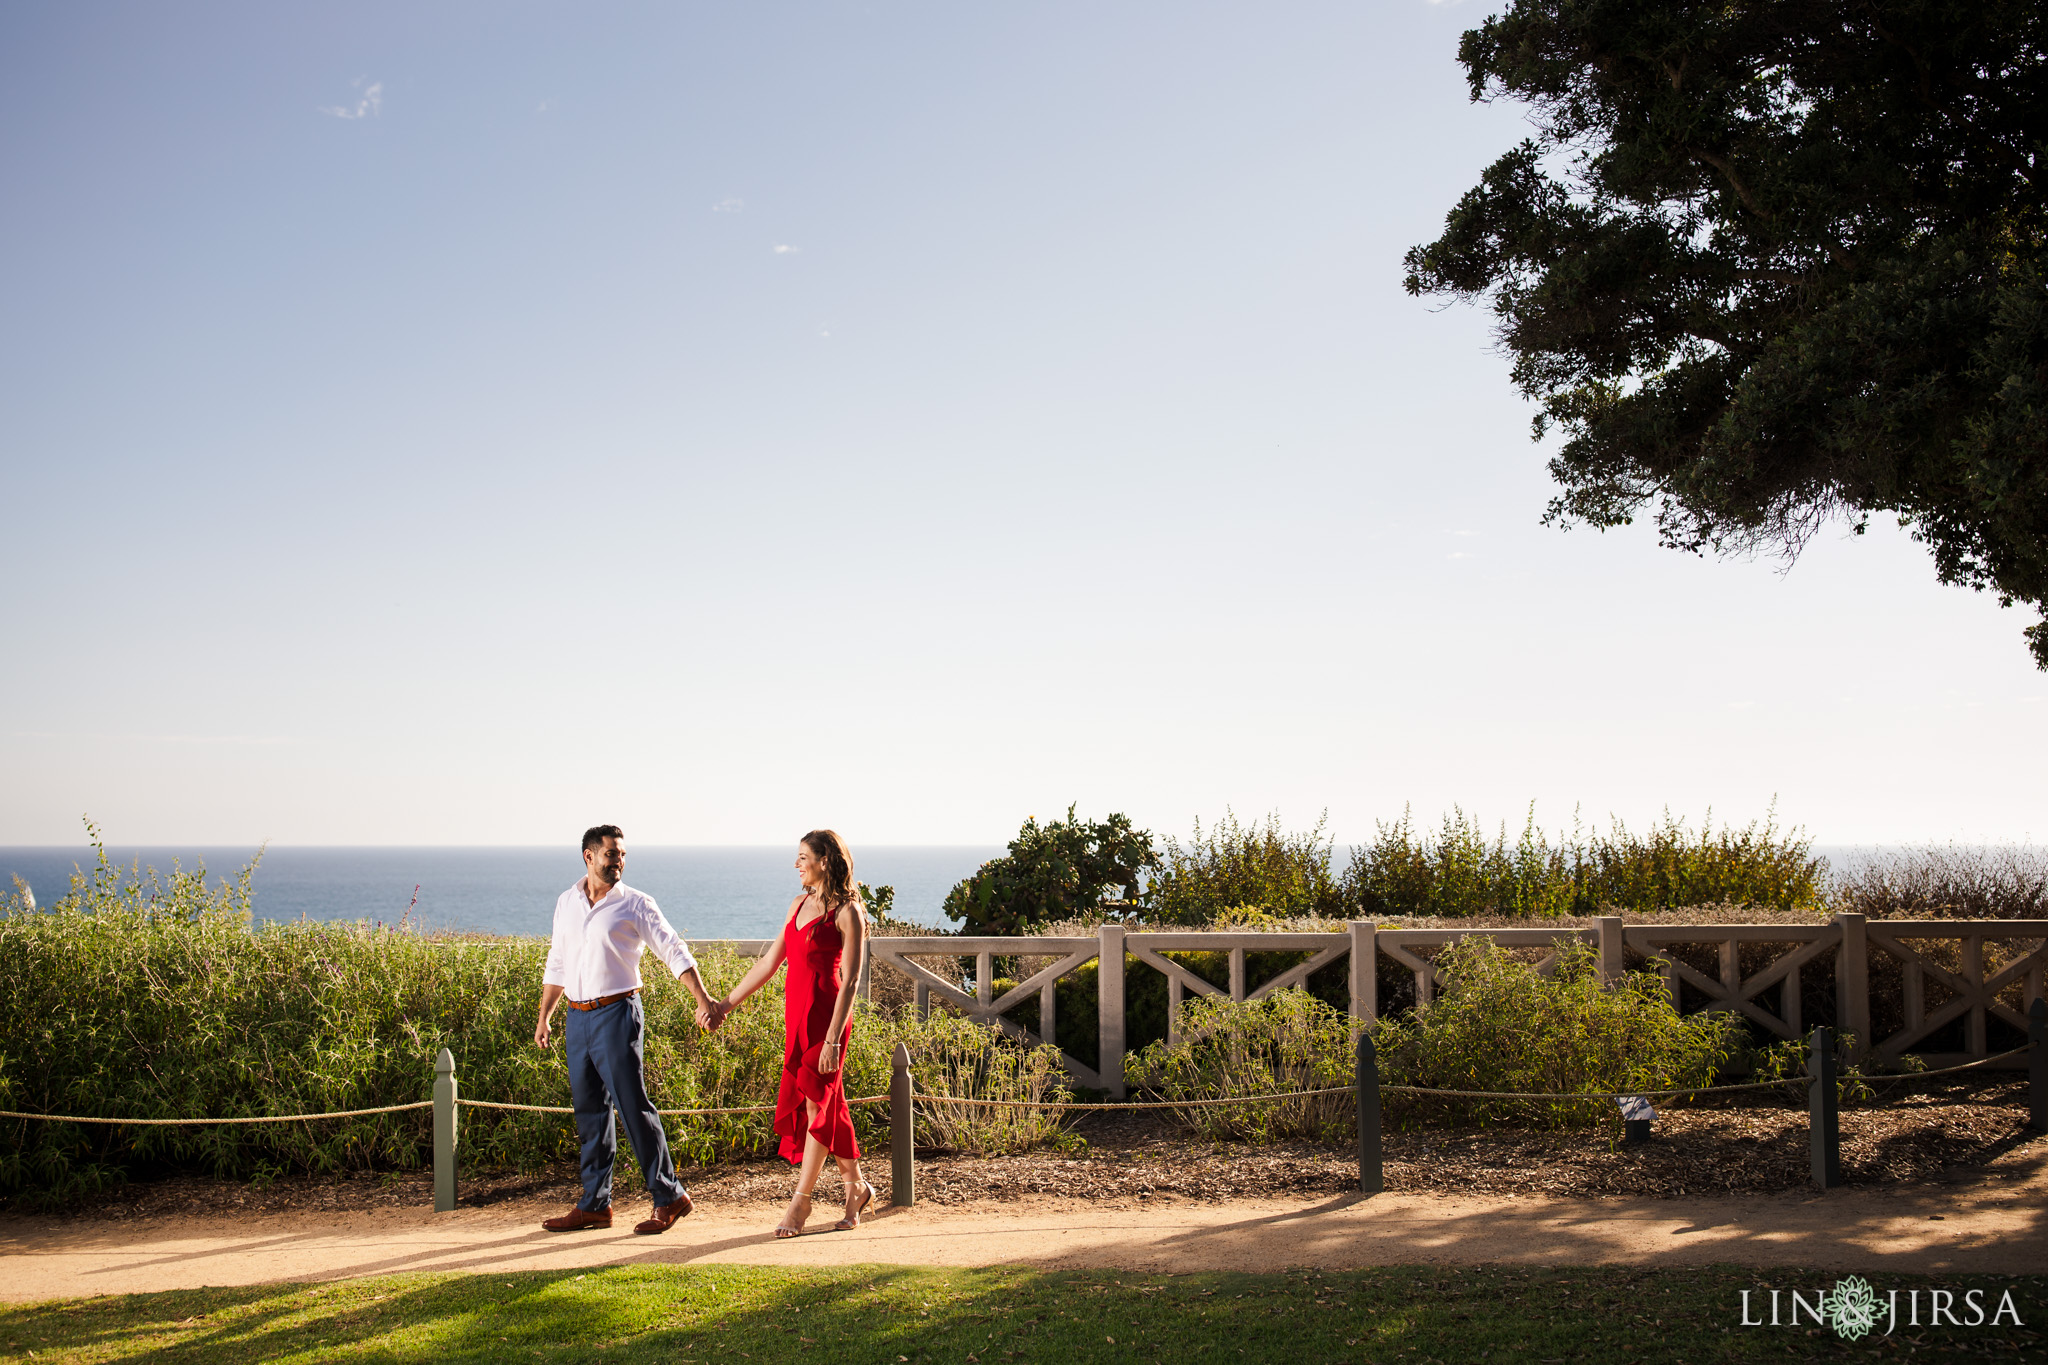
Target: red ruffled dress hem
802 1081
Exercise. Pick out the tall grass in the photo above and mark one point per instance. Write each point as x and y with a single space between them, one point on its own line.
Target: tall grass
1261 875
144 997
957 1062
1237 873
1289 1041
1459 872
1255 875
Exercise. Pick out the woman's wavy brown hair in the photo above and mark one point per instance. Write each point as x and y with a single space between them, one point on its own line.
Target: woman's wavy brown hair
828 848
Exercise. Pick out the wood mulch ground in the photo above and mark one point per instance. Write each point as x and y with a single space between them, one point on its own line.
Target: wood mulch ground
1911 1139
1693 1152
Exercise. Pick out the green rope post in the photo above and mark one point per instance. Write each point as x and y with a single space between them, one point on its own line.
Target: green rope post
1823 1120
444 1132
902 1132
1372 1178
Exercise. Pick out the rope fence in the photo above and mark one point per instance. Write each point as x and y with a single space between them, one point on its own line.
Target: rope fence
1820 1083
665 1113
252 1118
1699 1091
1123 1106
1903 1077
1782 1083
1126 1106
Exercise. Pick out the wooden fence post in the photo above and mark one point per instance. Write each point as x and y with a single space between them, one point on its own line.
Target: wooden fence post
1365 976
1822 1120
1611 962
902 1131
444 1132
1852 984
1371 1168
1109 999
2037 1064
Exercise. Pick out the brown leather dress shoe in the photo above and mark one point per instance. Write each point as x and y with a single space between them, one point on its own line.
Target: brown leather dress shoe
665 1216
577 1219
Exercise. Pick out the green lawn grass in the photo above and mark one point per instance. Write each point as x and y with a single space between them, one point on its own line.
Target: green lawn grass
651 1314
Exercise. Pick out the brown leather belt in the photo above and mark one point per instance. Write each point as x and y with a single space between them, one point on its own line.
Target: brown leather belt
603 1000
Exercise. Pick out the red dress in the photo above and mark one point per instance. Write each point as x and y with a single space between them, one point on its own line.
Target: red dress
810 993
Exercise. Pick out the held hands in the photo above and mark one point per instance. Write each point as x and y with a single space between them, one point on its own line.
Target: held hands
711 1013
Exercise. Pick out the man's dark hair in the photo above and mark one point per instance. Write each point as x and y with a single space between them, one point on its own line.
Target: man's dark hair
595 836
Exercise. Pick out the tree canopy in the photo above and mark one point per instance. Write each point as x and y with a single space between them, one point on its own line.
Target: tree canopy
1766 263
1052 872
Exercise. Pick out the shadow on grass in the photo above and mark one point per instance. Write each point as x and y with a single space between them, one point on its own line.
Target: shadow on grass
668 1315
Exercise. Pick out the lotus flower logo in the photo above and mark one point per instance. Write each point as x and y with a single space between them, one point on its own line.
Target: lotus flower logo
1852 1308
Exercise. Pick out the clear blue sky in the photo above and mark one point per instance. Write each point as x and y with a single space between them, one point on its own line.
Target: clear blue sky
462 422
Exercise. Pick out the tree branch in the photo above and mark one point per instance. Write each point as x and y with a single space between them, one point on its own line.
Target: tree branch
1727 170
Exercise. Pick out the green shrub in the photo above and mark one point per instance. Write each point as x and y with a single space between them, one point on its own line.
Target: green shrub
1459 873
1051 873
1289 1041
953 1059
141 997
1258 875
1244 873
879 900
1786 1059
1498 1025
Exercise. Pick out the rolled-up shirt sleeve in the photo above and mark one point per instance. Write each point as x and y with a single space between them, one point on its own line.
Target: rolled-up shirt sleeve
556 973
661 937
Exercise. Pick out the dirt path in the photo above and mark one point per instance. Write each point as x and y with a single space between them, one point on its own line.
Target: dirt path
1994 1225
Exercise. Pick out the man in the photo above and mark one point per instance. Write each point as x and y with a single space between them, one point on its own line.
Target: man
601 928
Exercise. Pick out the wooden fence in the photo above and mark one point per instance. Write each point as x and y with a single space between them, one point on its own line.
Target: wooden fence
1987 969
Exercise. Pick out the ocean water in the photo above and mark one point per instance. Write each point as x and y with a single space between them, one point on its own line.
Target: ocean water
705 892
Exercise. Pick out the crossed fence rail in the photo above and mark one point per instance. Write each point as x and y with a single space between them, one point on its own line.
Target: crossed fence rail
1891 986
1819 1082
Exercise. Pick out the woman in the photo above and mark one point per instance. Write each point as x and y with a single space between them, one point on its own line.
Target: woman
825 926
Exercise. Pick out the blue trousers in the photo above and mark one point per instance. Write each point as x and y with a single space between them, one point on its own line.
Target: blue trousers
605 1052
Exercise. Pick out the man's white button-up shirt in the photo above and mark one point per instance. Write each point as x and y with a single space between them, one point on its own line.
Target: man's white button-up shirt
596 948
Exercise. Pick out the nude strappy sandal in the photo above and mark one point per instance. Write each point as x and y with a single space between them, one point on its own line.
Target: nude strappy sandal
852 1220
783 1229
